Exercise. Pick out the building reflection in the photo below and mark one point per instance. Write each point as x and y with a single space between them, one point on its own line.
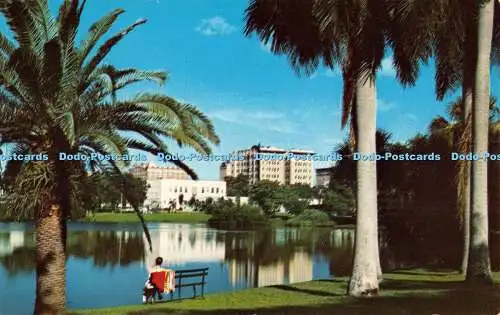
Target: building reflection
10 241
181 244
343 237
268 258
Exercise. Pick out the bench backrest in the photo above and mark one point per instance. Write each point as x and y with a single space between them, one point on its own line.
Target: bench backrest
191 273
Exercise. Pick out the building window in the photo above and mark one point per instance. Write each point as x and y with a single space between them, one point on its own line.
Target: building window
212 190
202 190
217 189
175 189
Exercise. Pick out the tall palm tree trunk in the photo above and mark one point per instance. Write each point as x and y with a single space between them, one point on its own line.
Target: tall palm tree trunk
50 261
479 269
364 280
494 191
464 180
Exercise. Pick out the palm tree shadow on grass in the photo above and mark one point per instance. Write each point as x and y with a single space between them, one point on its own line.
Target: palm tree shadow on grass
307 291
463 300
412 272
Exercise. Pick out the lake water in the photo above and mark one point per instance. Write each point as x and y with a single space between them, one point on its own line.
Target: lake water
107 263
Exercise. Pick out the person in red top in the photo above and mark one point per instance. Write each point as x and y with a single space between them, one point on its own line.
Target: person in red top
155 283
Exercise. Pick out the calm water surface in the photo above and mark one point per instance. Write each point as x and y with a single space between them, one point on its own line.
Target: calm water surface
107 264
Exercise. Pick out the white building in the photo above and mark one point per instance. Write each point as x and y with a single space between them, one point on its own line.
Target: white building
162 192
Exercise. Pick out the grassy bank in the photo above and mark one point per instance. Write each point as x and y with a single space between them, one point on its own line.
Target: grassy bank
412 292
179 217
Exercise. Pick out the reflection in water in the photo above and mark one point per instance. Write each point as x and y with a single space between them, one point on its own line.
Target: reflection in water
181 243
105 248
253 259
102 257
114 248
10 241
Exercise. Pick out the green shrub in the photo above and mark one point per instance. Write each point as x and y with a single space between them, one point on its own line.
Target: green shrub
310 217
229 216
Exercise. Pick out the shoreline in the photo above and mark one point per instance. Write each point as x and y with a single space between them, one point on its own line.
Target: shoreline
177 217
413 291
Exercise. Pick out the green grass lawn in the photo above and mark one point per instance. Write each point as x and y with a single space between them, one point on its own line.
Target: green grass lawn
411 292
179 217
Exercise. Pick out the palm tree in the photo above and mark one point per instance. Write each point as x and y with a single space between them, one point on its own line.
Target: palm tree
58 96
350 35
479 269
494 175
448 29
452 130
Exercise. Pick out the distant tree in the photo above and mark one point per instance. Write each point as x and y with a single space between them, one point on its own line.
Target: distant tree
295 198
192 201
295 205
237 186
266 194
302 191
181 200
134 190
339 199
90 193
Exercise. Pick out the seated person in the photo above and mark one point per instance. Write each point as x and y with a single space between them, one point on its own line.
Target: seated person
155 283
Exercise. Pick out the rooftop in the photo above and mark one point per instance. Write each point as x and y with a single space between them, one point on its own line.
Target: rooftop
153 165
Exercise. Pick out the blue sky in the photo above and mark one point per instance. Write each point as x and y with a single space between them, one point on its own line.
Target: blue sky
251 95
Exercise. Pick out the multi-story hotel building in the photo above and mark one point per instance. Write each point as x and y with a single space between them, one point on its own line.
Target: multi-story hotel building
323 176
151 171
270 163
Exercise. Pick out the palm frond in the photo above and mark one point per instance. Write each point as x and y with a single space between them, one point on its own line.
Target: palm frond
20 22
96 31
31 190
26 65
349 75
138 145
410 34
275 23
68 21
6 46
103 51
106 143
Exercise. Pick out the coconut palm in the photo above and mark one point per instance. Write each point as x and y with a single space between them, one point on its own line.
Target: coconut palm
60 96
494 175
452 129
351 35
440 28
479 268
448 29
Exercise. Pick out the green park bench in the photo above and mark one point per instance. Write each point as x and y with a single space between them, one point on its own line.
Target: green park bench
194 278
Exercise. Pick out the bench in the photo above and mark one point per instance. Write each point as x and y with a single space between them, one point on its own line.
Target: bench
190 278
